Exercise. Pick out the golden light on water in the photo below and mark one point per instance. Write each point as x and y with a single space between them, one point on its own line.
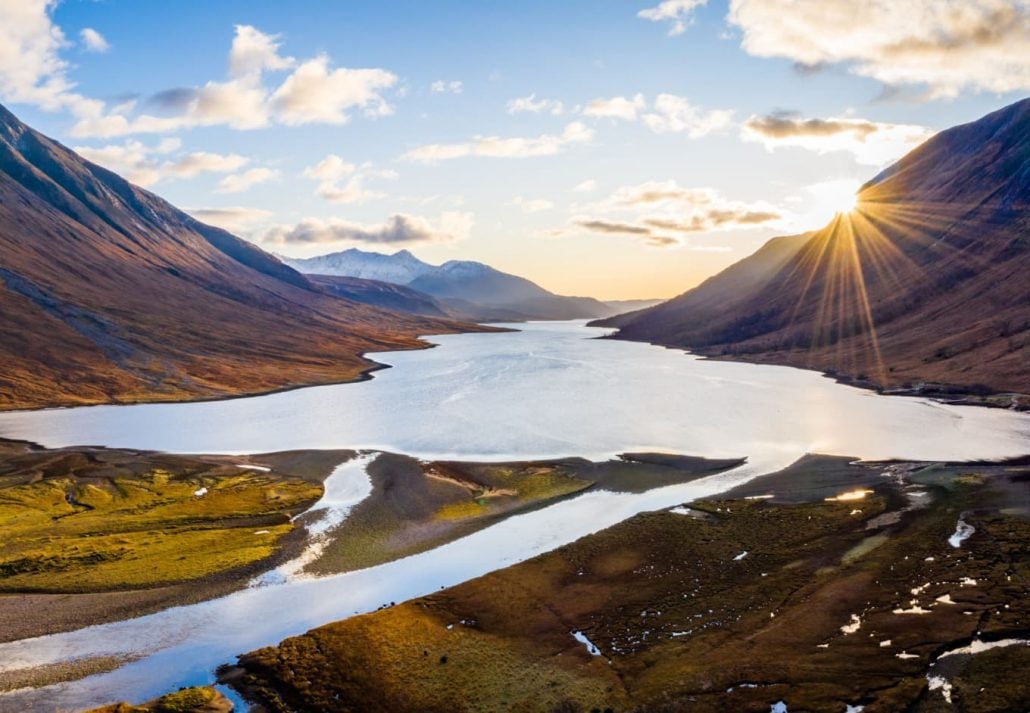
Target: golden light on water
850 495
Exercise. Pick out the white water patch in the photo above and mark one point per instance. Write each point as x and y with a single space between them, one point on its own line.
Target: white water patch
590 646
979 646
345 487
962 532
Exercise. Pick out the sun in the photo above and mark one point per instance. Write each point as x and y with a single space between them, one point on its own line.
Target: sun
829 199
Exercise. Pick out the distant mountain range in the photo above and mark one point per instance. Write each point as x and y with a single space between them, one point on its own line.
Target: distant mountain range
459 288
925 286
109 293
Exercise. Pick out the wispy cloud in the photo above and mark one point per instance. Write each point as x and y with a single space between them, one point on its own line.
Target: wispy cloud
398 229
503 147
616 107
944 47
340 181
675 114
532 105
239 182
675 12
585 186
441 86
532 205
146 165
664 214
93 41
871 143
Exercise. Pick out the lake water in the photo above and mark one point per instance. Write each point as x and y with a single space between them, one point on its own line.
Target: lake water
549 390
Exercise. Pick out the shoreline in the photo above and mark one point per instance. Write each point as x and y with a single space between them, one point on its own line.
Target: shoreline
943 393
366 373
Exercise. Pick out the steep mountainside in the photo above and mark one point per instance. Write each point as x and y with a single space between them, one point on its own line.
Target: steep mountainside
472 290
109 293
925 282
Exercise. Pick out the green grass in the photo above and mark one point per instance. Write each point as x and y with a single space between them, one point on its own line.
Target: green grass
74 533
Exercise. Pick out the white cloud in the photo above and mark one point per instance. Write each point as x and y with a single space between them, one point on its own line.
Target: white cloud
532 105
532 205
239 182
314 93
664 214
141 164
676 12
944 47
498 147
236 219
586 186
32 72
442 87
253 52
674 114
871 143
332 170
398 229
616 107
93 41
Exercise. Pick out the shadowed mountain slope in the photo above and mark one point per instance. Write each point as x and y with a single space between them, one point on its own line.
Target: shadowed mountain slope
109 293
927 281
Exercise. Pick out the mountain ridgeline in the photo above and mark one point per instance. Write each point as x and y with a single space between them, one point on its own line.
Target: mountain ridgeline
110 294
924 286
460 288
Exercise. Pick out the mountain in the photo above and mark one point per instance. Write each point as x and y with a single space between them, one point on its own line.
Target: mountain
387 295
109 293
400 268
470 289
924 286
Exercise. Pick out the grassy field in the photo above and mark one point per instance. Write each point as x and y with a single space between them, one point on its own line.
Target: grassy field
96 520
736 605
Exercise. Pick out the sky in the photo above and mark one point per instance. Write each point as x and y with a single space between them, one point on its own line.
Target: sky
613 148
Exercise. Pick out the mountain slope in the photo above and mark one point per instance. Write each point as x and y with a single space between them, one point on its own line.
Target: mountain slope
109 293
387 295
472 289
926 281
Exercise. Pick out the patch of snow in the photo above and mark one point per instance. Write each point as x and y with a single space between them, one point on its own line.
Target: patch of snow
853 626
906 655
968 582
848 708
248 466
741 556
759 497
962 532
915 609
582 638
941 684
778 707
261 532
979 645
200 492
885 643
944 599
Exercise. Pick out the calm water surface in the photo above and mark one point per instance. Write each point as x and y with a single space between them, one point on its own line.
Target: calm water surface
550 390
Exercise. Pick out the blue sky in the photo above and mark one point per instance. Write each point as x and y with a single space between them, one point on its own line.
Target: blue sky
693 130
